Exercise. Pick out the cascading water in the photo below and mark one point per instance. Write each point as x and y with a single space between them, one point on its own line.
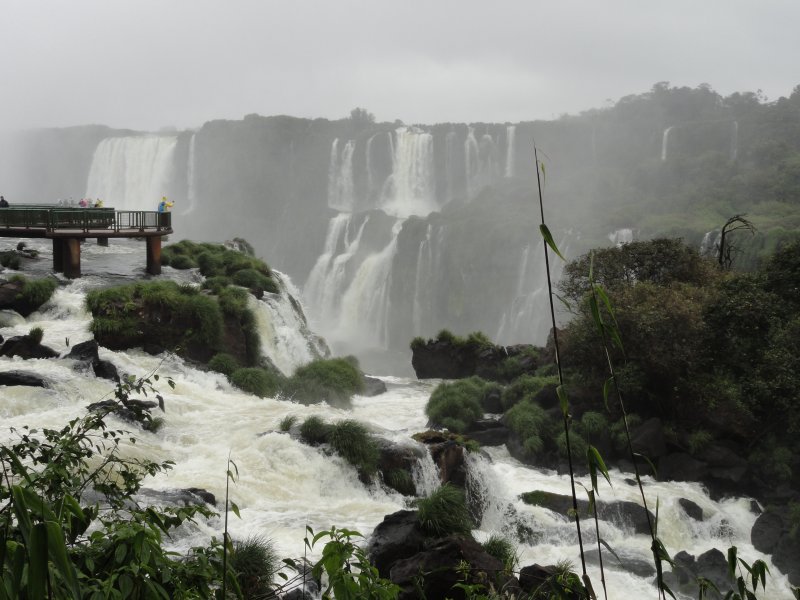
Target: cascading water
285 485
510 150
132 173
665 143
341 187
621 236
410 189
191 184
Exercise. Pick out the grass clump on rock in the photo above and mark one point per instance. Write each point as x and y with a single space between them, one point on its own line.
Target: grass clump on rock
334 381
457 405
351 440
223 363
444 512
314 431
256 381
256 563
504 550
157 312
532 424
223 264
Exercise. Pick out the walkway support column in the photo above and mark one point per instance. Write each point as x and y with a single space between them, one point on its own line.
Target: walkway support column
72 258
154 255
58 255
102 241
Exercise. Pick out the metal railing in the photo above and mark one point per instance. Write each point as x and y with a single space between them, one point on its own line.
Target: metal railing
82 219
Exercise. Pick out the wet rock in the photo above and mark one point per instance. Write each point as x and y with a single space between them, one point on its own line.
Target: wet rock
648 439
771 534
396 462
106 370
22 378
488 432
712 565
692 509
534 577
25 347
373 386
132 411
681 467
398 536
434 572
620 512
637 565
85 351
448 454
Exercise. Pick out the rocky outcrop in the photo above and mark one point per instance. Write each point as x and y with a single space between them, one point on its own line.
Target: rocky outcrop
448 454
22 378
373 386
453 358
86 354
772 534
488 432
132 411
712 565
396 463
398 536
620 512
12 297
26 347
437 569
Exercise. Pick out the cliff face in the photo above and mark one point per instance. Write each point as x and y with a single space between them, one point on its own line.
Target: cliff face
397 231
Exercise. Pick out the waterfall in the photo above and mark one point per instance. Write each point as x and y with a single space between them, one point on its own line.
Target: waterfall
510 150
410 190
132 173
621 236
285 338
421 281
449 165
425 475
191 189
734 141
341 188
471 158
710 244
665 143
326 282
368 165
365 307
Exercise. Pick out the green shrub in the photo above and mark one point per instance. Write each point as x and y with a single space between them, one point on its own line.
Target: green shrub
401 481
250 278
216 283
36 334
351 440
525 387
532 424
36 291
594 424
698 440
504 550
314 431
333 380
256 563
254 380
618 437
456 405
444 512
223 363
578 445
418 342
287 423
182 262
10 260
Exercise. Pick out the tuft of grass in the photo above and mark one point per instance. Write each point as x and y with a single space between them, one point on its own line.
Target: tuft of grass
351 440
401 481
444 512
256 381
457 405
314 431
36 334
334 381
504 550
287 423
10 260
224 363
256 563
532 424
525 387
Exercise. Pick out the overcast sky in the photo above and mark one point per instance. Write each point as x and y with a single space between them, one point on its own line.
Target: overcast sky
148 64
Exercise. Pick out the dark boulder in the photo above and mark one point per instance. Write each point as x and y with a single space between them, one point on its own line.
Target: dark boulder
488 432
434 572
105 370
373 386
11 298
648 439
85 351
453 358
398 536
396 463
22 378
448 454
132 411
629 563
681 467
692 509
622 513
26 347
535 579
711 565
771 534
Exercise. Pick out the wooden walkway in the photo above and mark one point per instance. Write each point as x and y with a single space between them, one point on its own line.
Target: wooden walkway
67 227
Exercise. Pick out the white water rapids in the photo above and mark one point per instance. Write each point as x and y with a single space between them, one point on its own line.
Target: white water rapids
285 485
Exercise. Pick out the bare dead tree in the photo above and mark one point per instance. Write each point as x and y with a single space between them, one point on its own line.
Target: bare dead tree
727 250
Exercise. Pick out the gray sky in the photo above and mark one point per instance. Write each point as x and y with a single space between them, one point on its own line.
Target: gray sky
147 64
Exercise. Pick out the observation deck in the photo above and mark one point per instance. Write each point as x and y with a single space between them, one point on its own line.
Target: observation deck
68 227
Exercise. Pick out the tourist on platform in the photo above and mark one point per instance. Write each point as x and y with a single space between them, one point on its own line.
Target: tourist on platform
3 202
98 203
164 206
84 203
